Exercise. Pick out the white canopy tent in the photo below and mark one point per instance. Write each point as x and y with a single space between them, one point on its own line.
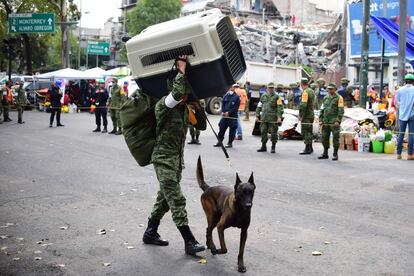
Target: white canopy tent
67 73
95 73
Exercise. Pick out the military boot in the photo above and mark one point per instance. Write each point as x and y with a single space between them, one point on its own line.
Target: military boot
105 130
197 141
273 149
119 132
307 150
151 235
324 154
335 155
97 129
193 141
311 148
263 148
191 245
113 131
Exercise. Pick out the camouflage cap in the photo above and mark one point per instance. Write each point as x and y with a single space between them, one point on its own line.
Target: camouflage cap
313 85
304 80
344 80
409 77
331 86
280 86
293 85
321 80
270 85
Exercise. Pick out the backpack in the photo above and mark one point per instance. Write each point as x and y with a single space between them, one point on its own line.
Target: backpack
139 126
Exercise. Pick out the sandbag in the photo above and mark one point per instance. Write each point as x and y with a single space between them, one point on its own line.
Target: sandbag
139 126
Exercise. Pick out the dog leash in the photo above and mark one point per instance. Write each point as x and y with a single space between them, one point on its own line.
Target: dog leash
226 154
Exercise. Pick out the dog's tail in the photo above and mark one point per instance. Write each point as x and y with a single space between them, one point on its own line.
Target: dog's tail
200 175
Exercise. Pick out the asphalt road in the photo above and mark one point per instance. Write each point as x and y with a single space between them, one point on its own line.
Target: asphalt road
60 186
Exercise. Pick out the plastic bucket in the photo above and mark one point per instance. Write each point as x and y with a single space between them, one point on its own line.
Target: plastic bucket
389 147
378 146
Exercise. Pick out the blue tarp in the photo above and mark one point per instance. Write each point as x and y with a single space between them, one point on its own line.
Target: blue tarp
390 32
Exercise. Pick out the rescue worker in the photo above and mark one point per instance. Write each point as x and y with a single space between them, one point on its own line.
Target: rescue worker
280 92
21 101
320 92
306 116
229 108
249 91
269 111
55 104
99 98
243 99
330 117
171 115
115 102
297 92
6 100
346 92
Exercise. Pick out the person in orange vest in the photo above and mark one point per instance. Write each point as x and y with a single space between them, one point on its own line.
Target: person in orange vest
243 99
6 100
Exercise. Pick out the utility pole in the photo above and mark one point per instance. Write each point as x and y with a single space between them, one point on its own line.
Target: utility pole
402 41
364 56
79 34
384 14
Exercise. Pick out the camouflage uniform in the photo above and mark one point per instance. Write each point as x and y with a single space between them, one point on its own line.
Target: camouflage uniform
307 115
269 109
332 110
21 101
168 155
115 102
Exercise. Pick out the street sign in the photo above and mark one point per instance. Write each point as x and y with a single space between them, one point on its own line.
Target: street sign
31 23
98 48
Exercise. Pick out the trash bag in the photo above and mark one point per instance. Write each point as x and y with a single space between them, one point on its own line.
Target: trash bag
139 126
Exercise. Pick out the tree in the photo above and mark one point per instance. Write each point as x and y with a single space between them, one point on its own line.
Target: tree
65 12
27 44
148 12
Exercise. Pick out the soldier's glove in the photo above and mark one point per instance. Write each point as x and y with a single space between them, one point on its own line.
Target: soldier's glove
177 93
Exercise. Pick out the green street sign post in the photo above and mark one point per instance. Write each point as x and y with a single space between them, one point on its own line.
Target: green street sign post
31 23
98 48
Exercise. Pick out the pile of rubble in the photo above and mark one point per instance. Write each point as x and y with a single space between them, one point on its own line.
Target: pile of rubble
273 42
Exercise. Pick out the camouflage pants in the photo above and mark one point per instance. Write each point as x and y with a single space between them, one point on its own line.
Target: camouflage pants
326 133
116 118
170 196
20 110
194 132
265 129
307 131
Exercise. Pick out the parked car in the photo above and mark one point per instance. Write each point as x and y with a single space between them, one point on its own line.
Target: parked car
36 91
15 78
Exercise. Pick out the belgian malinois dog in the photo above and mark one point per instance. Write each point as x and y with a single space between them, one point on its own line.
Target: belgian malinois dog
226 207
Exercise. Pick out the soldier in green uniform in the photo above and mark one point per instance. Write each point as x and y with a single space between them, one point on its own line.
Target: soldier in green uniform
330 117
171 115
291 96
307 115
269 111
21 101
115 102
194 132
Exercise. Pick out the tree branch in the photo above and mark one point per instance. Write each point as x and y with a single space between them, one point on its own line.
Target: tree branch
7 7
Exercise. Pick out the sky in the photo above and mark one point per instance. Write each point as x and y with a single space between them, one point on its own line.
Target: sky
96 12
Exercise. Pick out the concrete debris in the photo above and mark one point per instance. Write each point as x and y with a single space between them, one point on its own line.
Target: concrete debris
268 39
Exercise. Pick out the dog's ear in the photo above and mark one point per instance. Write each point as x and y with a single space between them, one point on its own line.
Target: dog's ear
251 180
238 181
